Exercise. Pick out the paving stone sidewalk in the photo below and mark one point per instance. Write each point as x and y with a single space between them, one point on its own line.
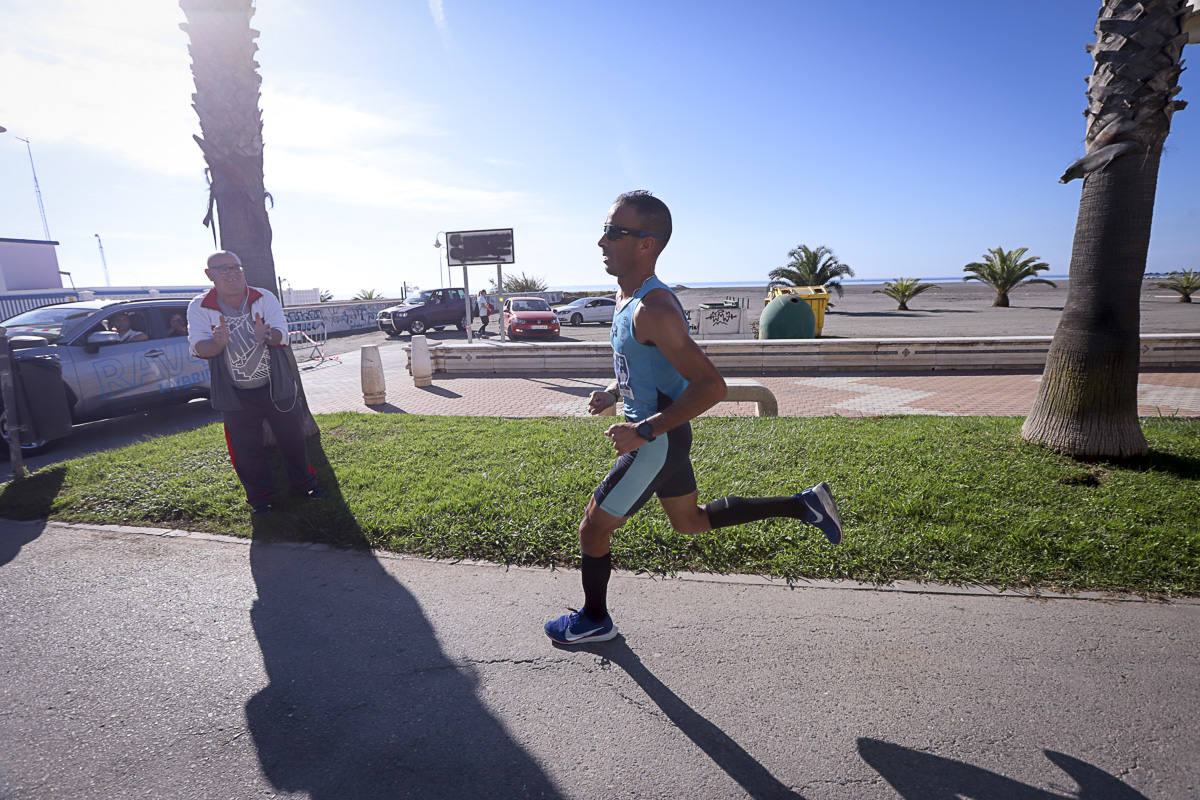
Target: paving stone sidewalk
335 385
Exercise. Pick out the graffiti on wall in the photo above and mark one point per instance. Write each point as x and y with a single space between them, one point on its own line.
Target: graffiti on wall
334 317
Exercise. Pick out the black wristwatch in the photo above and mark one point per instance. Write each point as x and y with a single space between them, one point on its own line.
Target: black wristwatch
645 430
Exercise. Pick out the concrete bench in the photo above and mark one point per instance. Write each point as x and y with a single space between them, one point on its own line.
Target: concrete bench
740 390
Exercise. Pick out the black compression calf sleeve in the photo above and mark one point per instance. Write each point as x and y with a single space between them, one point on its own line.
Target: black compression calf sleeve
595 585
738 510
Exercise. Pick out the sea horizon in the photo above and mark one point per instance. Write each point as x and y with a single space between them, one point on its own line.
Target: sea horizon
600 287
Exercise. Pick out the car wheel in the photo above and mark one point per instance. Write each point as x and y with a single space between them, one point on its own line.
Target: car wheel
576 320
417 327
26 447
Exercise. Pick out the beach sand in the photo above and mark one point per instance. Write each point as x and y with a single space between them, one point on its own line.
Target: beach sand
958 308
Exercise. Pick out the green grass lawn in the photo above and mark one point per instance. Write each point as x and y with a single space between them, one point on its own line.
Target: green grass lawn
950 499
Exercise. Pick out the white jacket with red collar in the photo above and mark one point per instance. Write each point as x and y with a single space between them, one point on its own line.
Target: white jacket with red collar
204 313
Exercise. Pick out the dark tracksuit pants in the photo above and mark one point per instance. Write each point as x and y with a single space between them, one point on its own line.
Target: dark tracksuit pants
244 436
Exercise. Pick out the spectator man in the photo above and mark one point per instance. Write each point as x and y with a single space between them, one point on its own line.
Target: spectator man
241 331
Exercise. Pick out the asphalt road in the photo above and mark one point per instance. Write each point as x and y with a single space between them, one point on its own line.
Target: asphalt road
137 666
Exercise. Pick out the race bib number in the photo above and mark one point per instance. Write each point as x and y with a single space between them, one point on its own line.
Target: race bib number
621 368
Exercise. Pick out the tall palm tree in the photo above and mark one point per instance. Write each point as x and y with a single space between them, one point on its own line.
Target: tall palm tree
226 101
811 267
904 289
1087 400
367 294
1186 282
1004 270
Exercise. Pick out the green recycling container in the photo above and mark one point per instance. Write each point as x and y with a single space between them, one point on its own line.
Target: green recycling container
788 316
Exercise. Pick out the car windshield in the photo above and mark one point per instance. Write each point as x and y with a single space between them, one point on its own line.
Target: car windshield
52 322
418 297
530 305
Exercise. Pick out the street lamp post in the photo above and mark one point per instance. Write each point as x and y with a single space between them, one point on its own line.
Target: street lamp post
37 189
437 243
103 260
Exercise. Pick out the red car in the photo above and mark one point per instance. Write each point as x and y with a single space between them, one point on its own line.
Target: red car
529 316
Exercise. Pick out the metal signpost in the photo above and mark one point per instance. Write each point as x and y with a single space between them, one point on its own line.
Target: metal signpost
494 246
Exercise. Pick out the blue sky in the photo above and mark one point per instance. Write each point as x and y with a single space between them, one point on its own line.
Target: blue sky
909 137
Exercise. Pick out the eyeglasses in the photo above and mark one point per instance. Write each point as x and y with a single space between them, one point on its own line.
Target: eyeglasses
615 234
227 269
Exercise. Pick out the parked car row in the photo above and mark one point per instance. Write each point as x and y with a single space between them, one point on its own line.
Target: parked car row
587 309
435 309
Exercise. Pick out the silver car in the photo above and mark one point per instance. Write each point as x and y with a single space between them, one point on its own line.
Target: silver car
586 309
116 357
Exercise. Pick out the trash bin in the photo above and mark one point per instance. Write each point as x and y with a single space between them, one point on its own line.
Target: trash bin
720 320
41 400
788 316
817 298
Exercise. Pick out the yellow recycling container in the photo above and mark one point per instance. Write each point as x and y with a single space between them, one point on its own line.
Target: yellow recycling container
817 298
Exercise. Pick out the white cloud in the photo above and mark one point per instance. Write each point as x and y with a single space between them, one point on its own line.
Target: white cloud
115 78
438 12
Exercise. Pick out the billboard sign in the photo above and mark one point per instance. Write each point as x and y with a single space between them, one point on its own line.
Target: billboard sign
480 247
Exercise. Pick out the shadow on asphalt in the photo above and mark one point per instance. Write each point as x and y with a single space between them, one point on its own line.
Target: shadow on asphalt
727 754
30 501
923 776
362 701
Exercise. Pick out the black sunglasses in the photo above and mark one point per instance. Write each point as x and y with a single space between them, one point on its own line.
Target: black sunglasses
615 234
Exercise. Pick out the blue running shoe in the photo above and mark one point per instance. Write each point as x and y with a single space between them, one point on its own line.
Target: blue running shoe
576 628
823 511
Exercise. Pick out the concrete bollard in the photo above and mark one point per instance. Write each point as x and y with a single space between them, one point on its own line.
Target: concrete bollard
419 362
374 388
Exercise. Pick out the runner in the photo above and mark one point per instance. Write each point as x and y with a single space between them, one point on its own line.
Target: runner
665 380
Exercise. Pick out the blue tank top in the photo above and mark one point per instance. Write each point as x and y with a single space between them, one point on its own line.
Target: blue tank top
647 380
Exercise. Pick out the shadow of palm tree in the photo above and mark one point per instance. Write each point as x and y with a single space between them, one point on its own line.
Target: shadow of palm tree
727 754
362 701
914 774
24 506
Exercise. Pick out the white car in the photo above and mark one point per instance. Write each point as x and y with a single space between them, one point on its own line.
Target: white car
587 309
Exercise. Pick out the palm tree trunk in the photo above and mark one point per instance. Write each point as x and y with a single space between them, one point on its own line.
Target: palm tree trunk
1087 403
226 101
1001 300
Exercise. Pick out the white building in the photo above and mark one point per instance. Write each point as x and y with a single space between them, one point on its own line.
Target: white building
28 264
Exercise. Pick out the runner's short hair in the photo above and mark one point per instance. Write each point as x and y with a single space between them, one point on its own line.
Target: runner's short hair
654 212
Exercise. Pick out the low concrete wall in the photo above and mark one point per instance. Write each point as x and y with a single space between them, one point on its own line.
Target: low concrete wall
337 318
799 356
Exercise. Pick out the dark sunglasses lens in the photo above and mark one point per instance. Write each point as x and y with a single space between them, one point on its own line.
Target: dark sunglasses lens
613 233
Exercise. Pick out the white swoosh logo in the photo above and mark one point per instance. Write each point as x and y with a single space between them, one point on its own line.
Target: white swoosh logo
820 517
570 637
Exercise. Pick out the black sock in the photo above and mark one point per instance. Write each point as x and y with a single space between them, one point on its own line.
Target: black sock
738 510
595 585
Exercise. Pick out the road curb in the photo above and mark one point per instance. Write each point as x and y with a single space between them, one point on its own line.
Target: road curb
899 587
